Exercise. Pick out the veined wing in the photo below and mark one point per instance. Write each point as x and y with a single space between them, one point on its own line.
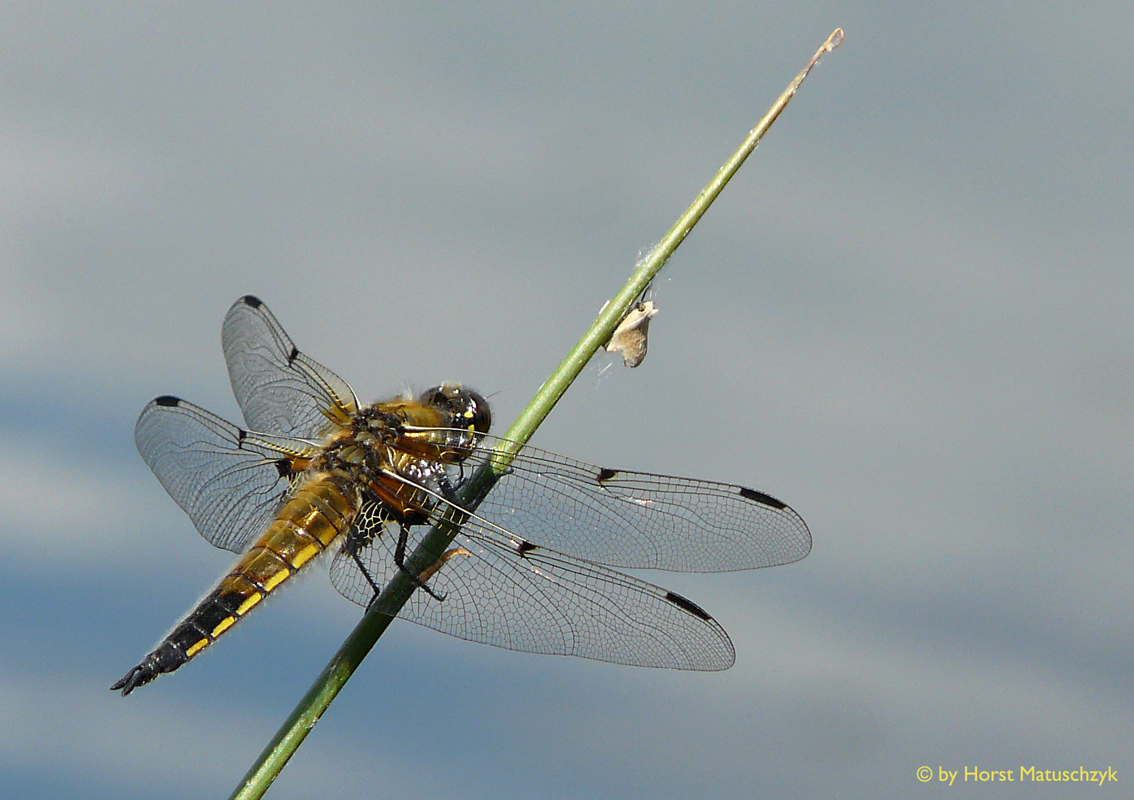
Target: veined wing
280 390
510 594
639 520
230 482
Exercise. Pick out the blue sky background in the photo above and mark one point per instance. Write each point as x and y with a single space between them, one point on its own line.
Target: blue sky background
908 316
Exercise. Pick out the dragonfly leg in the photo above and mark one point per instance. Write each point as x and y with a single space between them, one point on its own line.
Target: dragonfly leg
399 559
366 574
431 570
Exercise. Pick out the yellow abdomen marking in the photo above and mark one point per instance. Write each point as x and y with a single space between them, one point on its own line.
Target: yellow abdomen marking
263 568
249 603
224 625
236 584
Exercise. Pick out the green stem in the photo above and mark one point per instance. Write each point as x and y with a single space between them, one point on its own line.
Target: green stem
381 613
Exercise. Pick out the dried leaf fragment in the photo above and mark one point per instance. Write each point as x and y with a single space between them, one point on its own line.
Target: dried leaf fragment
630 337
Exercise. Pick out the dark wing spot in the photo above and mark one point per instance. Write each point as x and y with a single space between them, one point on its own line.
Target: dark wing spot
293 354
241 435
167 400
283 466
252 300
605 474
760 497
523 548
687 605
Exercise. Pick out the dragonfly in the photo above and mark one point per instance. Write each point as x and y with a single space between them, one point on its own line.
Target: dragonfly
534 565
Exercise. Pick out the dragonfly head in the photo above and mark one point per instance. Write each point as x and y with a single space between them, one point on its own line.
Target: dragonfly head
467 409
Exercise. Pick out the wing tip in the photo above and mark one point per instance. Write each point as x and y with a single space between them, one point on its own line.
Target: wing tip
685 604
762 499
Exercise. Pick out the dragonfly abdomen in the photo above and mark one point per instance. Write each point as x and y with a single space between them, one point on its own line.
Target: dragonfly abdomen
318 513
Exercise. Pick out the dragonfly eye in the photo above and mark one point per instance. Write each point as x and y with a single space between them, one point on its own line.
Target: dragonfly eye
467 408
476 412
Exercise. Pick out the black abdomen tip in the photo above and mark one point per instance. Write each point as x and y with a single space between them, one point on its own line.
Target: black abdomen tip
138 676
166 658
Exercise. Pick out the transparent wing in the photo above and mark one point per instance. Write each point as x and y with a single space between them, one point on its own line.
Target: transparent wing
638 520
507 593
279 389
228 481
